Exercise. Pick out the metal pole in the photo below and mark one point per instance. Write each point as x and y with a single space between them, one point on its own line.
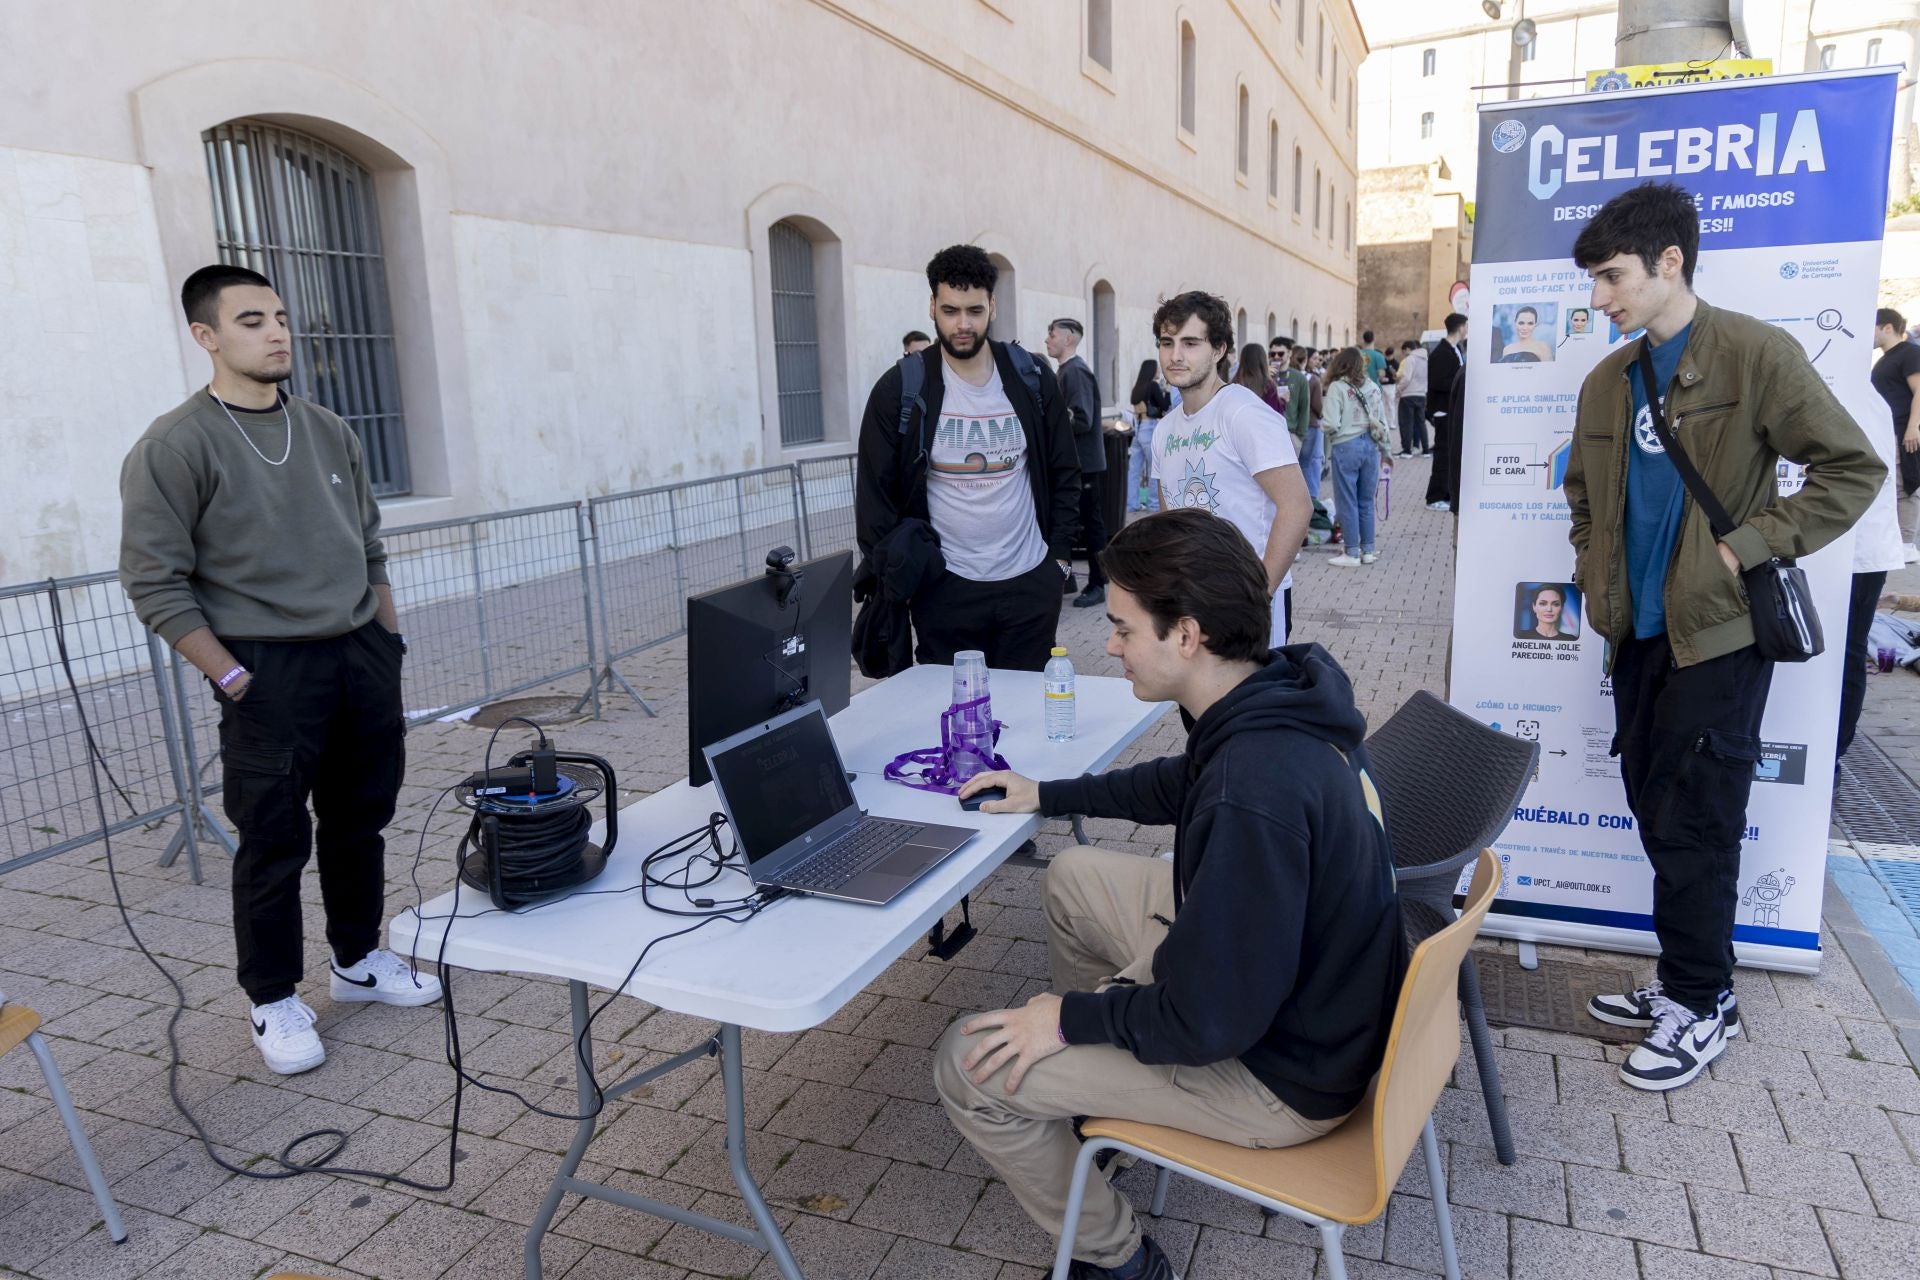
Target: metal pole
800 511
200 813
188 797
584 532
740 522
1671 31
480 609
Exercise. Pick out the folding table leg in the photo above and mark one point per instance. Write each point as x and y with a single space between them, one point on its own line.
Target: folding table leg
737 1154
582 1134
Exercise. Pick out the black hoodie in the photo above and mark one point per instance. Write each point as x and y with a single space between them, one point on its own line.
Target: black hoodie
1286 949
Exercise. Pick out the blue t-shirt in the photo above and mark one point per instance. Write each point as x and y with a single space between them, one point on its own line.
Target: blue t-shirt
1655 493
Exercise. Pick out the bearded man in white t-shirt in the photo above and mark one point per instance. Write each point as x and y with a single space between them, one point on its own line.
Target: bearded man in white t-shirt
1223 450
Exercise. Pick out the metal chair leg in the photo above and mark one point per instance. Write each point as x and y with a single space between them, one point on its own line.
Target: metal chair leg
1333 1242
1076 1196
96 1181
1161 1180
1442 1212
1496 1101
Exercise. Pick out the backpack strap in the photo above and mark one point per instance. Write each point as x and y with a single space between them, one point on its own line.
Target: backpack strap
1029 371
913 377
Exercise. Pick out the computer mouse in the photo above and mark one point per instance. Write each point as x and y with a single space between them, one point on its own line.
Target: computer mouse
973 802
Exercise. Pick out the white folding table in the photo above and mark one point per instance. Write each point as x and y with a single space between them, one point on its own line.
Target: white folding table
796 963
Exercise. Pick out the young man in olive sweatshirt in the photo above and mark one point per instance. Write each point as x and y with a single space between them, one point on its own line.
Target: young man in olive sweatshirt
250 542
1262 966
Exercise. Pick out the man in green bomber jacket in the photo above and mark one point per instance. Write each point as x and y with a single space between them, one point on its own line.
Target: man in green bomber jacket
1689 687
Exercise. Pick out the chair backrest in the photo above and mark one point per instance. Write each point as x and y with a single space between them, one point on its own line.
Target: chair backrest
1425 1040
1449 783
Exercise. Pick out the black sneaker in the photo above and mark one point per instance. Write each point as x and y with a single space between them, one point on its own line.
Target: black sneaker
1635 1008
1678 1048
1068 587
1151 1263
1092 596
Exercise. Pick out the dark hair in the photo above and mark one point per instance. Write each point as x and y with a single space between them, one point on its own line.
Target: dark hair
1533 597
200 295
1580 311
1188 563
1283 341
1348 364
1887 315
1645 221
1366 337
1254 374
962 266
1408 345
1143 382
1455 322
1172 315
1071 325
912 336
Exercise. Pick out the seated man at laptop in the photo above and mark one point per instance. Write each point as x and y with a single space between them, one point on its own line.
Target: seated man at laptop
1262 966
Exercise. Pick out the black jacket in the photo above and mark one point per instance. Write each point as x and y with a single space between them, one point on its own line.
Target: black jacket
901 563
1286 949
1443 370
890 481
1081 390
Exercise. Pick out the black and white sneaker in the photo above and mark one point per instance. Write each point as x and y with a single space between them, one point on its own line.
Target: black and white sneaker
382 977
1635 1008
1678 1048
1150 1262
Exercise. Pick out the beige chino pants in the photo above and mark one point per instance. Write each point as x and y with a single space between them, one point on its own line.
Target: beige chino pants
1105 914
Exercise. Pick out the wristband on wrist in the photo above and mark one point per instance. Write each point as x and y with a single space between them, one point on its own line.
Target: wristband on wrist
1062 1033
231 676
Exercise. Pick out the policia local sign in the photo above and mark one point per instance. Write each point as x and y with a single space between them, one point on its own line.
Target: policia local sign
1790 175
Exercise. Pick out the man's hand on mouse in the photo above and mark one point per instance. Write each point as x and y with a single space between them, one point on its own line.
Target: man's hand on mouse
1023 794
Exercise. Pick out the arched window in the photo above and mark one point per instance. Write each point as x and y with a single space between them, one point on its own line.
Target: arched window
1314 342
796 335
1240 326
1426 124
1273 328
1100 32
1188 77
1316 197
1826 57
1320 44
1106 343
1351 98
1273 160
1298 158
1873 52
1333 80
1243 126
301 212
1293 328
1006 301
1300 23
1346 224
1427 58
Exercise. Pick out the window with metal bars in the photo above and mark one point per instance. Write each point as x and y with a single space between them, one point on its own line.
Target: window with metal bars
796 336
301 212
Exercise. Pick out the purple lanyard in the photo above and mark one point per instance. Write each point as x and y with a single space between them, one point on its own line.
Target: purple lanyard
958 757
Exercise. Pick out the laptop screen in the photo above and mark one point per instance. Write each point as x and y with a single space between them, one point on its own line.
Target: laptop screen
783 783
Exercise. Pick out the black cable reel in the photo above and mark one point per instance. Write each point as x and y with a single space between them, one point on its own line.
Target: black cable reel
528 840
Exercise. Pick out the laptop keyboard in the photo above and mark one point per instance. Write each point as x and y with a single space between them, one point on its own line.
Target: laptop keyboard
869 842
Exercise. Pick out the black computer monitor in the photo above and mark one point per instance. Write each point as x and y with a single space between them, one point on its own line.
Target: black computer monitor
758 647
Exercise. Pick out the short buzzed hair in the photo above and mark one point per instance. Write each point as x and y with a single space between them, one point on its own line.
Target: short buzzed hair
200 295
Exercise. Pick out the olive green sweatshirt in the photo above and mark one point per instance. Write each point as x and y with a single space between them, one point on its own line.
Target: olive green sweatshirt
214 535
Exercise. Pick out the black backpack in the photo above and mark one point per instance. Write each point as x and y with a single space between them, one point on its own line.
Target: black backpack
913 379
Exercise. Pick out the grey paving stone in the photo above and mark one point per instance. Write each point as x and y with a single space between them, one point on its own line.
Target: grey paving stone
1589 1082
1879 1084
499 1252
1000 1228
1872 1248
901 1071
824 1180
1812 1030
915 1131
1413 1239
706 1164
765 1092
334 1219
1191 1201
832 1114
1577 1134
419 1242
1680 1153
1838 1126
1220 1254
1657 1262
702 1251
172 1182
911 1259
1895 1187
213 1255
1768 1066
614 1226
1735 1108
610 1264
1545 1252
45 1225
151 1240
927 1204
1753 1229
833 1250
1531 1186
976 990
828 1057
1806 1174
1624 1204
913 1022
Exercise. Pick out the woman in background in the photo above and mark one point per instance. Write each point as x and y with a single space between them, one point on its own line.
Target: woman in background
1255 376
1356 424
1150 404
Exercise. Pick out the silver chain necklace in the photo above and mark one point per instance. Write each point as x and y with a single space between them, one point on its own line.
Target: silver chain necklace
286 415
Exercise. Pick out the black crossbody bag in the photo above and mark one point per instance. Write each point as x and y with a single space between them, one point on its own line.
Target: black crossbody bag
1785 626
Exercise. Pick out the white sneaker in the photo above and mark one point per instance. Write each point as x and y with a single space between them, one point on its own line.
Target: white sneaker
382 977
1912 554
1368 557
1344 561
1439 506
283 1033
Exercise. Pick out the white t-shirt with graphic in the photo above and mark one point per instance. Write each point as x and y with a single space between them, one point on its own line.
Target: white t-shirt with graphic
977 489
1209 460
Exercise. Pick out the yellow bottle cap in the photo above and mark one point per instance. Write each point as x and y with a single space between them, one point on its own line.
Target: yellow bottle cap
1059 651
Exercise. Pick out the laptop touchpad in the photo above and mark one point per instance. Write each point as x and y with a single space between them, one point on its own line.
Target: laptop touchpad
904 861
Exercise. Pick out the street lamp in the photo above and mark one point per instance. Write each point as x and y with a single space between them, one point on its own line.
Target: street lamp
1491 8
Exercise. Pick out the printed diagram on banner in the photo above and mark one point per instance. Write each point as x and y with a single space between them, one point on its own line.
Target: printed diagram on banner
1789 174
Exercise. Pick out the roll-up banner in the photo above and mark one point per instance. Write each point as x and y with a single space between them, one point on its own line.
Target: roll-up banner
1790 174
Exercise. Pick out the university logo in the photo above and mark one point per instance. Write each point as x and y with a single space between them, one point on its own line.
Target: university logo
1788 270
1509 136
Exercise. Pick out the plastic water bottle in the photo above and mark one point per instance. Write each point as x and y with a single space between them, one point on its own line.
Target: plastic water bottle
1059 687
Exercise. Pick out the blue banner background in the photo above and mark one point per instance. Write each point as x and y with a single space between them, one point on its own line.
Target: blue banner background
1845 202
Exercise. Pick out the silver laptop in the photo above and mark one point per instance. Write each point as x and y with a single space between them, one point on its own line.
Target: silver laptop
793 814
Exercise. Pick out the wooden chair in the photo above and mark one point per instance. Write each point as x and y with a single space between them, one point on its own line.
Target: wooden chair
19 1023
1345 1177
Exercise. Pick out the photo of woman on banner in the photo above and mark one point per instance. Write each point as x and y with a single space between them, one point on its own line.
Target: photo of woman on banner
1514 326
1546 611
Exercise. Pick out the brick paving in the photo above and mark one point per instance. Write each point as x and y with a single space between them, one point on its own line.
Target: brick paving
1799 1155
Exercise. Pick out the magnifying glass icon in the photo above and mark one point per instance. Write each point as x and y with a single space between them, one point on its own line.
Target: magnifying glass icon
1830 320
